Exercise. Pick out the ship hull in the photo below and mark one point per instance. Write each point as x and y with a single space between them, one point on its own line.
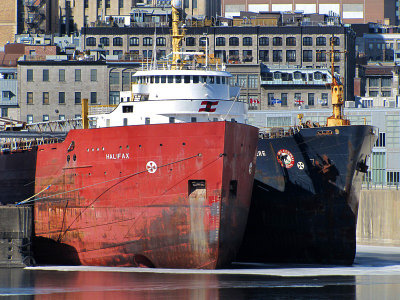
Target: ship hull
168 195
305 196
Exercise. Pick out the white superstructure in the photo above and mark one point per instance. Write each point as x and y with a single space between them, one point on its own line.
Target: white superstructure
183 90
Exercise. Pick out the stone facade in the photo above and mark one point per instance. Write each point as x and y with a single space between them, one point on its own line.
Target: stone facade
8 21
47 90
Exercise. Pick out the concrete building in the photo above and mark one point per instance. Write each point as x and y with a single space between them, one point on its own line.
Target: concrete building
351 11
278 47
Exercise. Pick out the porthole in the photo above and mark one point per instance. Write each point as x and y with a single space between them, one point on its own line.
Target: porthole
183 144
160 145
87 150
127 146
102 148
92 149
68 158
120 147
74 157
97 149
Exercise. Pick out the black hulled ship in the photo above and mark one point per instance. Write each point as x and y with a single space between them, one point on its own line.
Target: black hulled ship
306 191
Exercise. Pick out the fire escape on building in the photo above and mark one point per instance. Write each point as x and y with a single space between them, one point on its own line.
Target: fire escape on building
35 15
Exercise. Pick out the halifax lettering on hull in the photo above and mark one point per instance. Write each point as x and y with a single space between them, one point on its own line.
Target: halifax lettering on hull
117 156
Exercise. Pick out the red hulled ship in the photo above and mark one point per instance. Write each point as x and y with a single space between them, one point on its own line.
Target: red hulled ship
164 181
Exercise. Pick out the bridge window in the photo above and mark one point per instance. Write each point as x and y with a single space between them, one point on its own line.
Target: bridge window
163 79
218 80
186 78
127 109
170 79
178 79
196 79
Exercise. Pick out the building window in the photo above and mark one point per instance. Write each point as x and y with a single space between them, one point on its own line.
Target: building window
291 41
4 112
336 56
147 54
374 82
117 41
61 97
284 97
242 81
29 98
160 41
271 99
147 41
120 3
93 97
78 97
45 97
277 41
321 41
393 178
105 41
324 99
253 81
114 98
307 41
264 55
134 41
190 41
220 41
386 82
247 41
311 99
77 74
61 75
320 56
86 3
203 41
29 75
381 141
307 55
297 99
386 93
7 95
90 41
29 119
290 55
118 53
336 41
45 75
233 55
277 55
233 41
108 4
263 41
373 93
46 118
247 55
93 75
61 117
114 78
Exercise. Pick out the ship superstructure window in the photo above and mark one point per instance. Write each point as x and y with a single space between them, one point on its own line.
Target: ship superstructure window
127 109
172 119
134 41
160 41
90 41
104 41
147 121
163 79
156 79
190 41
211 79
186 79
220 41
170 79
218 80
117 41
196 79
178 79
193 119
147 41
263 41
233 41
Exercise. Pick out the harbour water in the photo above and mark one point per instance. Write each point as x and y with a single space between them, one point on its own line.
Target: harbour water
375 274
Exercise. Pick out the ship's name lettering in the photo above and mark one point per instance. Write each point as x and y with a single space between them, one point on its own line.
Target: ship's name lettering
261 153
117 156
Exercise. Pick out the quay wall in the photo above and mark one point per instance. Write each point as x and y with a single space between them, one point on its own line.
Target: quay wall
378 221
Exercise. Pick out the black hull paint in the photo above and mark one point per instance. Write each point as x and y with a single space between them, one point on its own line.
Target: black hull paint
17 179
307 213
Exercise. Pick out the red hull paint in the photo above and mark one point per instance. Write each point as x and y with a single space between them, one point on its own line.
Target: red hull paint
105 208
